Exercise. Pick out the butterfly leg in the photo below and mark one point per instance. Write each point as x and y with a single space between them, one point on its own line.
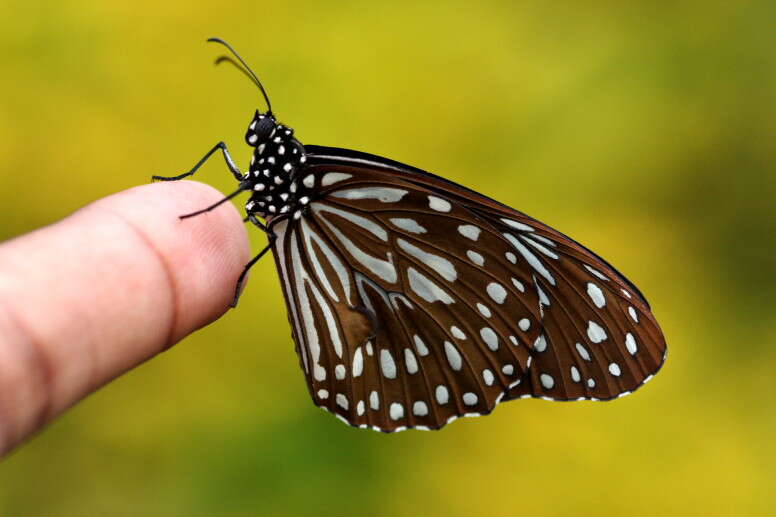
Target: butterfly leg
214 205
248 266
252 218
227 157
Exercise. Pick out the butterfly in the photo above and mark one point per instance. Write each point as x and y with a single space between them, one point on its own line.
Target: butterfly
414 301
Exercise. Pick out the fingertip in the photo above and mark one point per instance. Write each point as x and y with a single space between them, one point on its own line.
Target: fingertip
202 255
107 288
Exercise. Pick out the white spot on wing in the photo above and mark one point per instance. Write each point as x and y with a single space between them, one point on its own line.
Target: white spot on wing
453 356
408 225
630 344
595 272
524 324
342 401
633 314
382 194
439 204
470 399
330 178
547 381
484 310
595 332
387 364
439 264
614 369
410 361
469 231
420 346
518 226
442 395
457 333
488 377
427 289
374 400
540 345
489 337
497 292
475 257
419 408
358 362
582 351
396 411
595 294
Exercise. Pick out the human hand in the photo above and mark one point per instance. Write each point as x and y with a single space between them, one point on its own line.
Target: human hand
91 296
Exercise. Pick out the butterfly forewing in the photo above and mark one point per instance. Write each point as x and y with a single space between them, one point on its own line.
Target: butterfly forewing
415 301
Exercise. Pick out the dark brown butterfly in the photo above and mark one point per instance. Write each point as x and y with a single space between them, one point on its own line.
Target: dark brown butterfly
414 301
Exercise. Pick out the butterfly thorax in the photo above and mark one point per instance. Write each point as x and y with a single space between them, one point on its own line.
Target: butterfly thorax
274 175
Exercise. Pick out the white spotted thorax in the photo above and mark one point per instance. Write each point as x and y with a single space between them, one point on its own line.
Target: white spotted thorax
274 177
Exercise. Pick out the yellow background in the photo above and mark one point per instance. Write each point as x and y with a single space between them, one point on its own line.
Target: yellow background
643 129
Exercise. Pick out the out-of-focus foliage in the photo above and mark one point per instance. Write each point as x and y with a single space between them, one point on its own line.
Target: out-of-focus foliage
644 129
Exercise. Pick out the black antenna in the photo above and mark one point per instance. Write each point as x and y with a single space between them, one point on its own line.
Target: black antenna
253 75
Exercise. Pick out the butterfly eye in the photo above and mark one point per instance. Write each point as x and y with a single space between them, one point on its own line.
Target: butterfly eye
260 129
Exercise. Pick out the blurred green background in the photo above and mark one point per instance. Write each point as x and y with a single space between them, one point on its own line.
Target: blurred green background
644 129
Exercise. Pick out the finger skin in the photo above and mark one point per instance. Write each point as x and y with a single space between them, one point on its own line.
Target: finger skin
91 296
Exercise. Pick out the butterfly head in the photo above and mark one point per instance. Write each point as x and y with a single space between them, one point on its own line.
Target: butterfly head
261 129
